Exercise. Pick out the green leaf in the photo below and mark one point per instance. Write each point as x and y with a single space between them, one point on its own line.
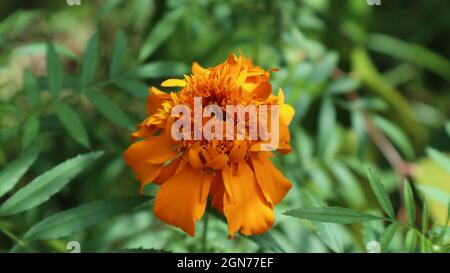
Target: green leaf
387 236
72 122
109 109
440 158
342 86
425 216
326 232
54 70
409 203
106 9
324 68
424 244
265 240
160 69
327 125
30 130
411 241
348 186
160 33
367 73
410 52
120 46
396 135
135 88
447 128
77 219
90 61
11 174
380 193
332 215
31 89
47 184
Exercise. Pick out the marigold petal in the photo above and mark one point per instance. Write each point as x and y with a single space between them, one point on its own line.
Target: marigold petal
285 137
135 157
247 211
167 171
287 112
198 69
217 192
173 83
272 182
218 162
263 90
238 151
180 201
155 100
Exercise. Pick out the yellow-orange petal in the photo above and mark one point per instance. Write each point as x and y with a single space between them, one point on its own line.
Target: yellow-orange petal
274 185
287 112
194 158
173 83
247 211
198 69
180 201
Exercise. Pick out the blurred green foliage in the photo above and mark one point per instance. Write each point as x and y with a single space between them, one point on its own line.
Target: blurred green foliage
370 85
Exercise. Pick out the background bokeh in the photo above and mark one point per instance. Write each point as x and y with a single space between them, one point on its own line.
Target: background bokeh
370 85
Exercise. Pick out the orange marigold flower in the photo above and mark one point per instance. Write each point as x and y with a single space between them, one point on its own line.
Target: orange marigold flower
237 175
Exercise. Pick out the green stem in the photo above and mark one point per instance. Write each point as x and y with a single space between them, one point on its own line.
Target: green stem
14 238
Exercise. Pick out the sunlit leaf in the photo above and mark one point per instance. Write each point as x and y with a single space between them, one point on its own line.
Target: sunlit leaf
440 158
332 215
